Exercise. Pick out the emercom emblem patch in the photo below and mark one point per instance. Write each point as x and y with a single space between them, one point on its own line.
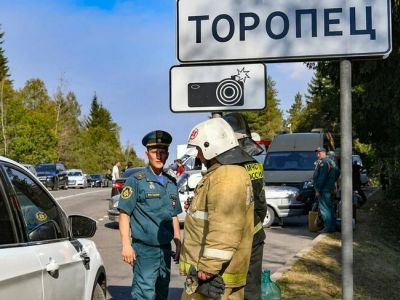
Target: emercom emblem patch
126 192
41 216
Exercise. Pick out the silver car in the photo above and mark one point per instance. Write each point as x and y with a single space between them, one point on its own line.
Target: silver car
282 202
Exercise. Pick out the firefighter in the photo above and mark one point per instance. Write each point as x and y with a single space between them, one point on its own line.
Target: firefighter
239 124
219 222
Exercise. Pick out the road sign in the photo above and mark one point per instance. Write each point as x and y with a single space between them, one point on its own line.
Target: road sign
218 87
268 30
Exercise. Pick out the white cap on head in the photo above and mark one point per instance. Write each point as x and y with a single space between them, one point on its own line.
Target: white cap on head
214 137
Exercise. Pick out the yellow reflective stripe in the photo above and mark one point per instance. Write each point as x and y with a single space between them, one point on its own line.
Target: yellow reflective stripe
238 278
258 227
184 266
202 215
218 253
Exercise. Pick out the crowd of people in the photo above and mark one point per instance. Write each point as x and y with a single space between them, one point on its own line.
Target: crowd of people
222 248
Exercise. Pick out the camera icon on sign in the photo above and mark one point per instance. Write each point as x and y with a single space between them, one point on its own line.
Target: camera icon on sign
227 92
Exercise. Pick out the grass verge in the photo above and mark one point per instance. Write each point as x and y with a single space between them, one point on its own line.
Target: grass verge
376 248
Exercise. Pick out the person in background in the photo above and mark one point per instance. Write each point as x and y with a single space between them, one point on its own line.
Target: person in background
324 178
179 168
356 176
238 122
115 171
128 166
149 205
219 223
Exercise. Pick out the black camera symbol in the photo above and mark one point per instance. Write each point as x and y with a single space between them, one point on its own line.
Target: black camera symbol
227 92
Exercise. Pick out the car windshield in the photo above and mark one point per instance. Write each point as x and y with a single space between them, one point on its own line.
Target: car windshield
290 160
131 171
45 168
74 174
95 177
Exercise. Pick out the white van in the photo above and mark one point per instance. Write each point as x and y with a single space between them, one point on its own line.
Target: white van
289 162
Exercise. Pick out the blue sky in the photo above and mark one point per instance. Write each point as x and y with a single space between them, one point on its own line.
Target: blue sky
120 49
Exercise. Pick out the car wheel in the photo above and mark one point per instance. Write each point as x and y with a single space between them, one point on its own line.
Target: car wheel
98 293
55 186
269 218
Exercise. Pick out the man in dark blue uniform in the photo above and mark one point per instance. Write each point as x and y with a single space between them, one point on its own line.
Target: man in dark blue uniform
325 176
149 205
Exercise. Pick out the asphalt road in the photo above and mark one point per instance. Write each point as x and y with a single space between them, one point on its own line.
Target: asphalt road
282 242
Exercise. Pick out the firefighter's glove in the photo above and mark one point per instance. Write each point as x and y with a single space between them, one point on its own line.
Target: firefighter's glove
212 288
192 281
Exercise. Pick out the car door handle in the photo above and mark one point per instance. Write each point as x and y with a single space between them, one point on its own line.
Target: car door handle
52 268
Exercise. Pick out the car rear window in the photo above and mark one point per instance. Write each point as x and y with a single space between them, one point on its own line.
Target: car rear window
74 174
46 168
290 160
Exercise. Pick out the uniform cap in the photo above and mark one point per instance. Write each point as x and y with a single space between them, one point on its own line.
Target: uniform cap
320 149
156 138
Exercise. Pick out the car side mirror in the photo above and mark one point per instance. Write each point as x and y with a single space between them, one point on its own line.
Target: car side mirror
81 226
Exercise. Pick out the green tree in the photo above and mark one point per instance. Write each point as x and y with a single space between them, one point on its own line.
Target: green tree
5 93
129 154
4 70
322 104
100 139
31 124
268 121
67 128
295 112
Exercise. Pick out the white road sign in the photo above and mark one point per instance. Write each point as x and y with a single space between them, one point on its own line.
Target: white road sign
269 30
218 87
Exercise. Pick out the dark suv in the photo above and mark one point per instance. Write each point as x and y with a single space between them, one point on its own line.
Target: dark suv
53 175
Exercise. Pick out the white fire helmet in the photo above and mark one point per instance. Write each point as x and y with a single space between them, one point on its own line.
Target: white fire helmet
214 137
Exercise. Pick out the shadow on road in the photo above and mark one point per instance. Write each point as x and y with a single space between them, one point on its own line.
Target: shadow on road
119 292
111 225
116 292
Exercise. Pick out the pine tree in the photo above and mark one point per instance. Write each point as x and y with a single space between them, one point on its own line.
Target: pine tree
270 120
4 71
295 112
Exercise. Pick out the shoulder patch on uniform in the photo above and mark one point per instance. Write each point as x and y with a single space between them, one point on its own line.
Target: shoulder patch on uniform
139 175
126 192
41 216
255 170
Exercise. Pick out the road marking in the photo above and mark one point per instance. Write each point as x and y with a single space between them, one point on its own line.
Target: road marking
101 219
71 196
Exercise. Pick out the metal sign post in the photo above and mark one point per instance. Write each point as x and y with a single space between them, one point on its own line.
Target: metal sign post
346 182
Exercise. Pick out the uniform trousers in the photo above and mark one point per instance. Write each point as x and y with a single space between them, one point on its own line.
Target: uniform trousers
151 272
252 290
326 208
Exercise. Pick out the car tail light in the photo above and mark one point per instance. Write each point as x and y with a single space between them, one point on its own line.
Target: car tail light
118 185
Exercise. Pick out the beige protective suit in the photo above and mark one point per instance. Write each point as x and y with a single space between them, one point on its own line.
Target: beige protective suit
219 228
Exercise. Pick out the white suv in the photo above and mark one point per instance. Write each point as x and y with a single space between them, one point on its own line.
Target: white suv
43 252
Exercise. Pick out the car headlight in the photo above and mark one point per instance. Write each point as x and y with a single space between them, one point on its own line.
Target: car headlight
308 184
